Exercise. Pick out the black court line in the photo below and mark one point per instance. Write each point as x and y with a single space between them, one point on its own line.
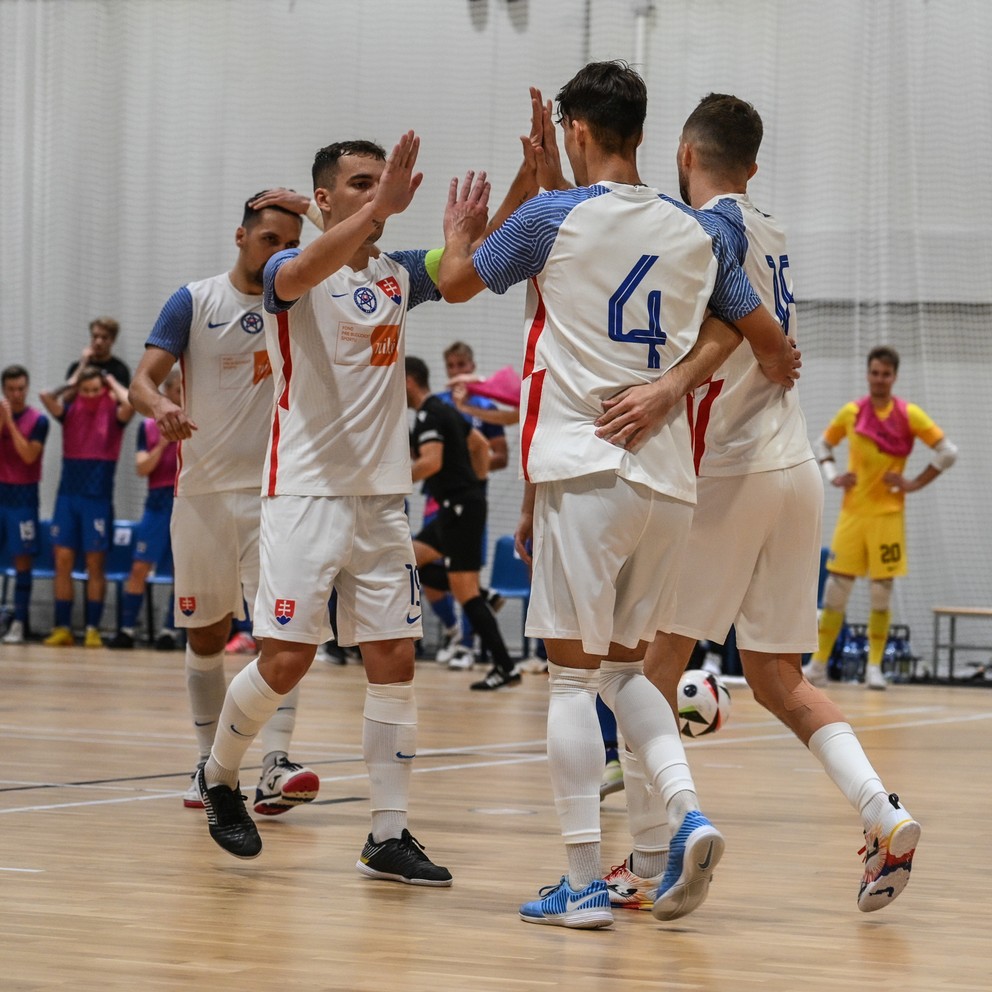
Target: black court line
29 787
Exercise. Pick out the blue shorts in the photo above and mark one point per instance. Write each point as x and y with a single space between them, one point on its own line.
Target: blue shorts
152 541
18 531
83 523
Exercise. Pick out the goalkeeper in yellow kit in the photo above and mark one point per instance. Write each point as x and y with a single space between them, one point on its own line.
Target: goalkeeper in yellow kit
870 536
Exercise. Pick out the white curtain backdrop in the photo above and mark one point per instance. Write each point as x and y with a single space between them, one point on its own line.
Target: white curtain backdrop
131 132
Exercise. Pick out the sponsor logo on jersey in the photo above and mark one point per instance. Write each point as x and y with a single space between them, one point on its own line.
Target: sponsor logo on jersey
391 288
187 605
365 300
385 342
262 368
251 323
285 608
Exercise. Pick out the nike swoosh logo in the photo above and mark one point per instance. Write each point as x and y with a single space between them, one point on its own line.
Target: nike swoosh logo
709 857
223 323
206 723
238 732
400 754
579 903
414 619
338 296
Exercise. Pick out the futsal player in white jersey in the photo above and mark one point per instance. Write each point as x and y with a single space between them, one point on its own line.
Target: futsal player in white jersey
754 549
336 473
214 328
619 280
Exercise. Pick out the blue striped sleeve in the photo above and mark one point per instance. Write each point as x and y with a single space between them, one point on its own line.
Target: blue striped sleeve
519 249
422 286
270 300
733 295
171 330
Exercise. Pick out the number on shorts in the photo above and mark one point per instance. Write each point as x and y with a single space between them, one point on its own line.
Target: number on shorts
414 585
891 553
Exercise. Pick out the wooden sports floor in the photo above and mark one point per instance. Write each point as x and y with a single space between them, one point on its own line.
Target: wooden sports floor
108 883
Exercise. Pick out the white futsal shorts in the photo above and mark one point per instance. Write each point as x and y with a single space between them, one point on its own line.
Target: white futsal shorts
753 560
215 550
359 545
606 558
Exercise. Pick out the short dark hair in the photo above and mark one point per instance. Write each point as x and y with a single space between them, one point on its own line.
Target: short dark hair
89 372
611 99
726 131
417 369
108 324
325 162
459 348
250 216
884 353
14 372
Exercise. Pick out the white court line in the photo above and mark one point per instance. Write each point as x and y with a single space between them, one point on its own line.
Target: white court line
32 871
523 759
957 718
323 778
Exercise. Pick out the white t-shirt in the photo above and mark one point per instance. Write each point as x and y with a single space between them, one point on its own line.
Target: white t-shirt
620 278
216 333
742 422
339 425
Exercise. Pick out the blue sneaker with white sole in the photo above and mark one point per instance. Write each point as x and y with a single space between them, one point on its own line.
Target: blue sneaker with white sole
561 906
695 851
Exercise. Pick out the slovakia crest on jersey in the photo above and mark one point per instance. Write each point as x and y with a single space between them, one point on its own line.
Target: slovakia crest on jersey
391 288
187 605
285 608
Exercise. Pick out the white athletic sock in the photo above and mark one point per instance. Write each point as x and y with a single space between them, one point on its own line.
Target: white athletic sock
648 726
278 730
389 743
583 865
837 748
575 761
250 701
206 687
648 820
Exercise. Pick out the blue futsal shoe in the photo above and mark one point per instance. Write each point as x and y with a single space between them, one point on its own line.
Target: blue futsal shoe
561 906
695 851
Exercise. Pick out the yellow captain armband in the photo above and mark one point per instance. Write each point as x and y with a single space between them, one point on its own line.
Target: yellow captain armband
432 263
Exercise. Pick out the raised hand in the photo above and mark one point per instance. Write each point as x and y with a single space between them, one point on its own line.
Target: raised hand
467 210
543 143
398 181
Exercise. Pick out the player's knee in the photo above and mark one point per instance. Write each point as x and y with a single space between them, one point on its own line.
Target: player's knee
787 695
837 592
881 594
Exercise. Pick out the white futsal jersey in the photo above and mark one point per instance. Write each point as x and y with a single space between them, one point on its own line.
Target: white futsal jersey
339 424
742 423
620 278
216 333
